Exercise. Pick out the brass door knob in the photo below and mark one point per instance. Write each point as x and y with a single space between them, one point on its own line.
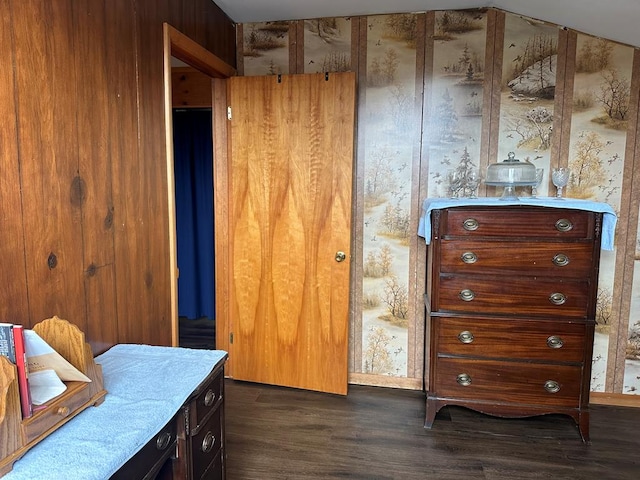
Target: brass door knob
341 256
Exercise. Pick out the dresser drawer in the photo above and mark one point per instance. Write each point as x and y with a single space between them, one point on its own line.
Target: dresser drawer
215 471
508 382
209 399
65 406
534 340
206 444
529 296
559 259
523 222
150 458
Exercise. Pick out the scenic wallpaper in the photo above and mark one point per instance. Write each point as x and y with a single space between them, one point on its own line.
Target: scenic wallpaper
427 83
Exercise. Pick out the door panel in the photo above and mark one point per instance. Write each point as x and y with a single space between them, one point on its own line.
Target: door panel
291 144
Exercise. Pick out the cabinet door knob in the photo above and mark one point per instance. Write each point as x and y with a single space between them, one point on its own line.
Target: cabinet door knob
560 260
557 298
467 295
465 337
555 342
564 225
469 257
470 224
552 386
464 379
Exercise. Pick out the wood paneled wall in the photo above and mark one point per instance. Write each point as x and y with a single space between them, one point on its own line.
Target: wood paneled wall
190 88
83 189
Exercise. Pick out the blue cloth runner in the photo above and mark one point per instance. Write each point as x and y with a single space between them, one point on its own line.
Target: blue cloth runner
609 217
146 385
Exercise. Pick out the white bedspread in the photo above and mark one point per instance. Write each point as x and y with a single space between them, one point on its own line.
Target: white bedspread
146 385
609 217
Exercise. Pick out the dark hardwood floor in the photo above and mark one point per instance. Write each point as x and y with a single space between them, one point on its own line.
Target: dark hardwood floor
377 433
197 333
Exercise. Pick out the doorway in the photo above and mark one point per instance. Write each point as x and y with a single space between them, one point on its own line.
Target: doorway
181 47
193 173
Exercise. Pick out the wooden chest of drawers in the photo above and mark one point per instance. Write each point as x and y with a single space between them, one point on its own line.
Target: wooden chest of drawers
511 301
206 431
202 440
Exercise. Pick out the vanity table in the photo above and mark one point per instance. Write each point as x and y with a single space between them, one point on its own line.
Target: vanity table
511 304
162 417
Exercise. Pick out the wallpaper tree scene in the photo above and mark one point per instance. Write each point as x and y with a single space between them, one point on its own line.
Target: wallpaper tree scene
457 95
601 96
632 351
327 45
390 96
529 67
555 97
265 48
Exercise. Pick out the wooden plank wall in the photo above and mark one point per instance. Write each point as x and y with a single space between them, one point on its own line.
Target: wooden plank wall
83 195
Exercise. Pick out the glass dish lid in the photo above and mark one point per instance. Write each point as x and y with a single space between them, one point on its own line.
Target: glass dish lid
511 172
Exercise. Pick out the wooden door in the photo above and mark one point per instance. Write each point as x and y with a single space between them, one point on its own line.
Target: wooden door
291 156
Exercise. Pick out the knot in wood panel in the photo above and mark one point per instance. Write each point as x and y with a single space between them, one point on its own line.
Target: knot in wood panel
78 191
108 219
52 261
91 270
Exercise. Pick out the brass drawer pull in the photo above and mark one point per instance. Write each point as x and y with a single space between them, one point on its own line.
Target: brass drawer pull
209 398
564 225
555 342
464 379
208 442
467 295
163 441
552 386
557 298
63 411
470 224
465 337
561 260
469 257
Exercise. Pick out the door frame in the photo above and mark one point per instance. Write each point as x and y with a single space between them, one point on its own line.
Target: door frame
178 45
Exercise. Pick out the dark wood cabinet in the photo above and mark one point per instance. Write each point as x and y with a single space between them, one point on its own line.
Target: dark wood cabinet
203 441
511 302
160 415
191 445
155 459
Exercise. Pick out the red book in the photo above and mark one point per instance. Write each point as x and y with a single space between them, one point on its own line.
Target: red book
23 371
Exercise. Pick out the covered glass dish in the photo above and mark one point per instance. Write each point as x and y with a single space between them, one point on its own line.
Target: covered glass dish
511 173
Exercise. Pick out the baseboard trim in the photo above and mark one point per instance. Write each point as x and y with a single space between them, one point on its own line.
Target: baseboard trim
614 399
383 381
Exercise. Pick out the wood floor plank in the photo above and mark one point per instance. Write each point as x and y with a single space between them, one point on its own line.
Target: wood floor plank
377 434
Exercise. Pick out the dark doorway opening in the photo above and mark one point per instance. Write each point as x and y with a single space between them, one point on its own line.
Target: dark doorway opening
193 170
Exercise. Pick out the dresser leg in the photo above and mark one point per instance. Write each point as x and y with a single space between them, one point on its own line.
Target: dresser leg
583 426
431 408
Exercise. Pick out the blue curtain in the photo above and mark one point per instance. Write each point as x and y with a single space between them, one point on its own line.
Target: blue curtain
193 158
